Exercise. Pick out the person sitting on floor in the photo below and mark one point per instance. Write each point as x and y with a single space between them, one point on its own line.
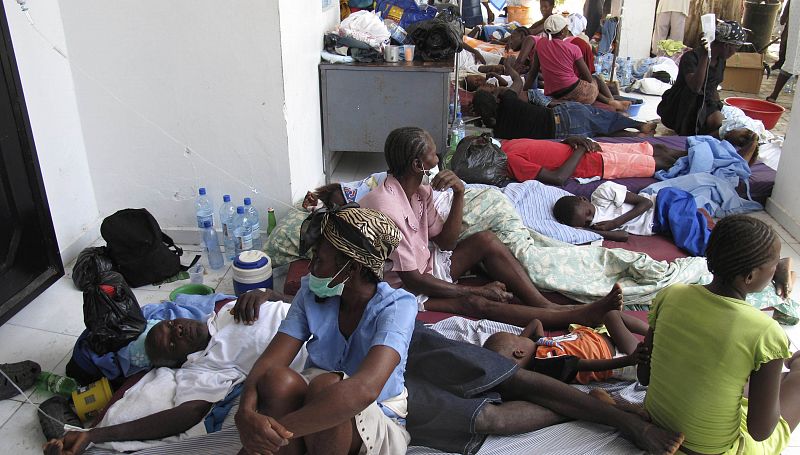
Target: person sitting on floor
692 106
511 117
592 349
614 212
352 395
406 197
715 370
566 75
213 357
554 163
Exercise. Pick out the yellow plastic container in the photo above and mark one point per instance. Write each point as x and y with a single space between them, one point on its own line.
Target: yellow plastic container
91 399
521 14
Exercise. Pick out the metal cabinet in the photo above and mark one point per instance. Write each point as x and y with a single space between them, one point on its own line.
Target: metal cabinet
363 102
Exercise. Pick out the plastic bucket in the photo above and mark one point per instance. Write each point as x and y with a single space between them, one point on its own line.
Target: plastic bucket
759 18
521 14
193 289
471 12
251 270
91 399
636 105
767 112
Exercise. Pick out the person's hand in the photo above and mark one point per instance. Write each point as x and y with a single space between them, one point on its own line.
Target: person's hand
447 179
73 443
479 57
641 354
260 434
578 142
247 305
495 291
703 49
310 201
609 225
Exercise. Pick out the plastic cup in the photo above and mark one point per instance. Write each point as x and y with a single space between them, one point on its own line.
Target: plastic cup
408 52
196 274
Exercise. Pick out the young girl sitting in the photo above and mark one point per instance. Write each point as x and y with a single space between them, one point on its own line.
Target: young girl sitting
707 344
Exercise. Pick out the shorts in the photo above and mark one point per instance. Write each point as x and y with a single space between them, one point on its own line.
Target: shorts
380 434
628 160
584 93
441 270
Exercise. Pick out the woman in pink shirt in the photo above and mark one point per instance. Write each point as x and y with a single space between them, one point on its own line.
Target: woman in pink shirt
566 75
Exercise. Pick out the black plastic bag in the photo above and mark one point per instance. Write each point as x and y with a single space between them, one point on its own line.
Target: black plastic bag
478 160
91 263
111 314
439 38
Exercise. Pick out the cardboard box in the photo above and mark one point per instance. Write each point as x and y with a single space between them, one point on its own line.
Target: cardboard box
743 72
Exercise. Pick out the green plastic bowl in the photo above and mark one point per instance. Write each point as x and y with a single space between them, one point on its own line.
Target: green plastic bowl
194 289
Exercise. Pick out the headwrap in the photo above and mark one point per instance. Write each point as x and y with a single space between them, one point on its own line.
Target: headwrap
730 32
577 24
364 235
136 349
555 24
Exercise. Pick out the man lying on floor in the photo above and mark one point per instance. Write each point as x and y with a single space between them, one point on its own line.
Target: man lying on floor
214 356
406 197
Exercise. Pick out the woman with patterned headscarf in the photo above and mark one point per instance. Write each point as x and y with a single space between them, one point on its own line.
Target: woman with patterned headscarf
692 106
357 330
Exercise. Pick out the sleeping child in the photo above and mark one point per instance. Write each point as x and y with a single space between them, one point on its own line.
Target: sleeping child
583 355
614 212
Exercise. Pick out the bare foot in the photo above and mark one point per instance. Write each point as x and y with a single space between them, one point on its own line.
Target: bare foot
604 396
648 129
656 440
595 312
620 106
783 280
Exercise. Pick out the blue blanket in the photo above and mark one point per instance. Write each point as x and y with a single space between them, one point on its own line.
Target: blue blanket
710 156
713 193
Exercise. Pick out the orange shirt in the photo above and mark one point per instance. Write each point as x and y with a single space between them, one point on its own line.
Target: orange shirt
583 343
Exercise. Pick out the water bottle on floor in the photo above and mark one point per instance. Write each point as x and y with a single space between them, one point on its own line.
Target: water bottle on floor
226 214
271 221
54 383
790 85
204 208
252 215
242 231
211 246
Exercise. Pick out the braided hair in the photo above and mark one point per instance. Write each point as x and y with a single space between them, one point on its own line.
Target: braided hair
403 146
738 244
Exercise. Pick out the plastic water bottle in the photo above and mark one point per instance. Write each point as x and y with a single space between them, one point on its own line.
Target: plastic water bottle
204 208
211 246
790 85
252 215
54 383
226 214
460 127
242 232
271 221
397 32
629 70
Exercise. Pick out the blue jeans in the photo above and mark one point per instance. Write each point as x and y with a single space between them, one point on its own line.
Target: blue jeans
584 120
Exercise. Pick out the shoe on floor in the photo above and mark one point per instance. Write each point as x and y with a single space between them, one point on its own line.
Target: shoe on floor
59 408
23 374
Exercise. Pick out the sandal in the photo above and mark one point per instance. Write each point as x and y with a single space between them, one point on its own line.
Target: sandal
23 374
59 408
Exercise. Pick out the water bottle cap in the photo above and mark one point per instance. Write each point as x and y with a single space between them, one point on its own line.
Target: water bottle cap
247 201
240 210
458 114
226 198
206 224
202 191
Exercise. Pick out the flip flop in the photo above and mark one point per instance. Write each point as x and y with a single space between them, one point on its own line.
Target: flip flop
59 408
23 374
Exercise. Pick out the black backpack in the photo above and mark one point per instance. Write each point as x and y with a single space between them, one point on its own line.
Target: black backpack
141 252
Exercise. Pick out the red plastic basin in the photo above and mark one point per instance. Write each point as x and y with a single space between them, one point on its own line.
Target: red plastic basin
767 112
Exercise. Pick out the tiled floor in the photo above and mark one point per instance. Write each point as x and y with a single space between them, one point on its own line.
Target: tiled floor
47 328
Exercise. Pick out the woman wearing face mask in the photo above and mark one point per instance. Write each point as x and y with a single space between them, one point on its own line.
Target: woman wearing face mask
357 330
405 196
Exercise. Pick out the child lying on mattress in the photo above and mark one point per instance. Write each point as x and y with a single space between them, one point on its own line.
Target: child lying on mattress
614 212
553 163
212 356
583 355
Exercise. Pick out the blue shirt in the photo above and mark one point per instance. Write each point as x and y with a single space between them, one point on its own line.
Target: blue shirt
388 320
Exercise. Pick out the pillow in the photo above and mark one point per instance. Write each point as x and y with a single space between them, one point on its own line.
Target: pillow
534 201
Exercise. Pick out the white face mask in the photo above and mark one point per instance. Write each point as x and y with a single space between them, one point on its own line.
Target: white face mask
428 175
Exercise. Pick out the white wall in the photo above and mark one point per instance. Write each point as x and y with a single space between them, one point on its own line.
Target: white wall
302 27
638 18
784 205
50 97
154 76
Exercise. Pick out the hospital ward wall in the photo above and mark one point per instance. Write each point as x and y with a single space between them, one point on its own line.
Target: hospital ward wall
47 83
784 205
177 95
